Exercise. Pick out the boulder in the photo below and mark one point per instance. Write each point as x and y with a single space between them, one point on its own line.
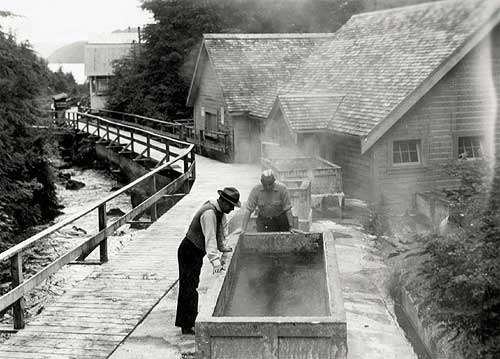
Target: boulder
74 185
115 212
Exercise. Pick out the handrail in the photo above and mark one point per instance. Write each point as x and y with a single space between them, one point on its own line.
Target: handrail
141 117
129 127
220 141
14 297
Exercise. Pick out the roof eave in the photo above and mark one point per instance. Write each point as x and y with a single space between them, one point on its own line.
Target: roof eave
189 100
383 126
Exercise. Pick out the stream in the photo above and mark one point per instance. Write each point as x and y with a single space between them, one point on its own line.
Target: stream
98 185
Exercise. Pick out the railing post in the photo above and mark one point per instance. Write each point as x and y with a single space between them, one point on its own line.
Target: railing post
107 131
167 151
193 165
154 209
98 128
103 246
118 135
16 269
186 168
148 148
132 141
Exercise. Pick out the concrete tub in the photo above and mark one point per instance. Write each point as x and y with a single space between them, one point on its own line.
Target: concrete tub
280 298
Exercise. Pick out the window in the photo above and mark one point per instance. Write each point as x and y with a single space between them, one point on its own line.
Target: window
100 85
407 151
210 121
469 147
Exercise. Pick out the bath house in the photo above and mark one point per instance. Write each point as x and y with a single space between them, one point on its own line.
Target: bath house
391 97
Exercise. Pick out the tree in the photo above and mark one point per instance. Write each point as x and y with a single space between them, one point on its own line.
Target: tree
154 79
27 190
464 266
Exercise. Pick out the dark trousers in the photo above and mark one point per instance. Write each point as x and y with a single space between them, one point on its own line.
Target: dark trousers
273 224
190 259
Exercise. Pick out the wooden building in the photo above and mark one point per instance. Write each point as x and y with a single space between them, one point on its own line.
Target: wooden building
395 95
99 56
236 80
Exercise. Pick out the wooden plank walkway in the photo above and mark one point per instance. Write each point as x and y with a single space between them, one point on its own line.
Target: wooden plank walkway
92 319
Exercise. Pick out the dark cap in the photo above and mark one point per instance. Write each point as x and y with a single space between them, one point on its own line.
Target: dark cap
231 195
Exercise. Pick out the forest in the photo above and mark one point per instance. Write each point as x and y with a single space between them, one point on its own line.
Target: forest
154 80
27 187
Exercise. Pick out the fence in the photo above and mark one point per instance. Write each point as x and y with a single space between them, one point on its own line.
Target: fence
101 127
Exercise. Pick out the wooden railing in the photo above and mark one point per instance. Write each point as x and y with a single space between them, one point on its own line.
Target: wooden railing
174 129
184 129
101 127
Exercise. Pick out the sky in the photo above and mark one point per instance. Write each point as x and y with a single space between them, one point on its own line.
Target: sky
50 24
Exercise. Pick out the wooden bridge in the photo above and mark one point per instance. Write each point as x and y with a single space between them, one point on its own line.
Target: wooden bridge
92 319
125 308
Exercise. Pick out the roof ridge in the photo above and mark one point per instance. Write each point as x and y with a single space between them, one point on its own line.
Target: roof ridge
406 7
293 94
269 35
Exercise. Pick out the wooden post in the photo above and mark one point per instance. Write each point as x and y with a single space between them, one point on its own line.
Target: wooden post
16 269
154 209
167 151
99 128
193 172
107 131
132 141
148 148
118 135
103 246
186 168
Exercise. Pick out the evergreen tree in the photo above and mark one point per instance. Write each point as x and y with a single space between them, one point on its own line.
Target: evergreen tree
27 190
154 79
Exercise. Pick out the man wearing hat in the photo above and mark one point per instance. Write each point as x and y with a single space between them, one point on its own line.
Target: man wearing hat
273 202
204 236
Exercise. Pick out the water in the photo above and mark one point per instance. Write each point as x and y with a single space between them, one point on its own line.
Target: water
279 285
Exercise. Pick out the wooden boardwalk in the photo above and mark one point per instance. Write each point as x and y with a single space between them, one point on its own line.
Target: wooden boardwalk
92 319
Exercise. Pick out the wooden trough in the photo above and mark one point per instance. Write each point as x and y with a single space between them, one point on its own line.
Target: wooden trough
280 298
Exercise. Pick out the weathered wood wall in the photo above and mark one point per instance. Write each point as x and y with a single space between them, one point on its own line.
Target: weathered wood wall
464 103
99 57
209 96
345 151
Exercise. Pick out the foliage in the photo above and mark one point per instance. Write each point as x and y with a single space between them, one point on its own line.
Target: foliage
60 81
27 191
154 80
464 265
376 221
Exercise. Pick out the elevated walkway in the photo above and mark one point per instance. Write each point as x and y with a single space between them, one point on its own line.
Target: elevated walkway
92 319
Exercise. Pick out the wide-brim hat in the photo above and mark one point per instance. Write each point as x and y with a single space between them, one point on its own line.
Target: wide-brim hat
231 195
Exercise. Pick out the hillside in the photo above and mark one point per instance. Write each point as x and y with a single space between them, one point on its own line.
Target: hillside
68 54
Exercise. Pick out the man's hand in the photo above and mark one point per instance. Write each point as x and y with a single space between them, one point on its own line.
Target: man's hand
218 268
226 249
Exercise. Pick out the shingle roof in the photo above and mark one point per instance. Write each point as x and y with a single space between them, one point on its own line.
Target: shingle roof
378 59
251 67
306 112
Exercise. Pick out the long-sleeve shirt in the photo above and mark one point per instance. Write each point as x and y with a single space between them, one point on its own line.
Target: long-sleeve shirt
214 242
269 203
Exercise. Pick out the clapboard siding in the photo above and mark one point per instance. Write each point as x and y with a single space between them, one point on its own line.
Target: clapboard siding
463 103
209 97
345 151
99 57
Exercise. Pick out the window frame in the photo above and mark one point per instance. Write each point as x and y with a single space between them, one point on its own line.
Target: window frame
210 116
419 151
456 142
